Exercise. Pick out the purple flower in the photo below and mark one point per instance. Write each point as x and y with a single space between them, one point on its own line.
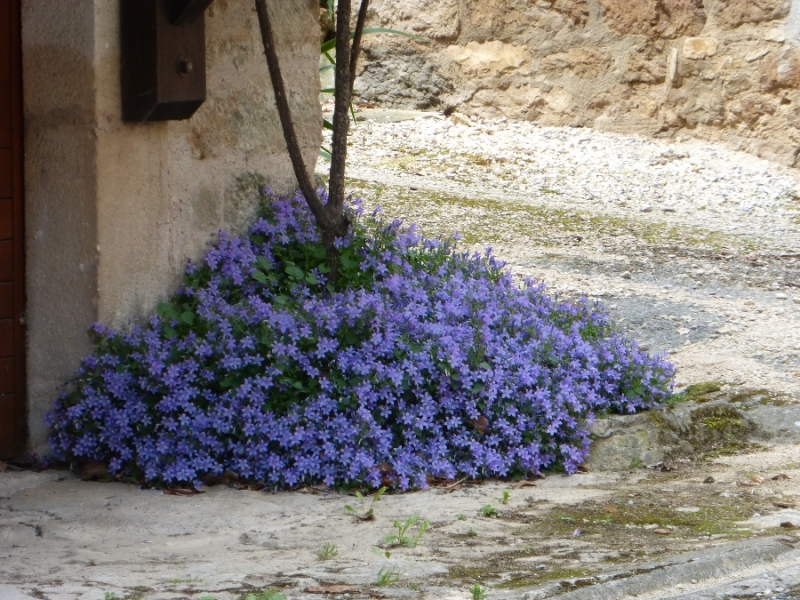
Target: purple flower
419 361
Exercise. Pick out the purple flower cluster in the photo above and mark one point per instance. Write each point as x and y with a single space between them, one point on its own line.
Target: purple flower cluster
414 360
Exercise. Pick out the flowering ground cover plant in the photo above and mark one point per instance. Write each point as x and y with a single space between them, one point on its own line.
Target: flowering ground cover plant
416 360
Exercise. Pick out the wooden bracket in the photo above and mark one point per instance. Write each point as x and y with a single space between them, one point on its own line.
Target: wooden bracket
187 11
163 59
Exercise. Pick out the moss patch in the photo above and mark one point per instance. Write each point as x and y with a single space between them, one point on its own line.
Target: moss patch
489 220
522 580
622 518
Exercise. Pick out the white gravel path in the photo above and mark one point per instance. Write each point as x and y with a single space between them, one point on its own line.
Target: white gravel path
689 183
694 248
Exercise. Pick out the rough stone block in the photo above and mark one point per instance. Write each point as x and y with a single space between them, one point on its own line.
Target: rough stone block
435 19
730 14
583 62
489 58
698 48
665 19
781 70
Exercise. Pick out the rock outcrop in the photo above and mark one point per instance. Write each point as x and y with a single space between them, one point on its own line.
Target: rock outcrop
722 70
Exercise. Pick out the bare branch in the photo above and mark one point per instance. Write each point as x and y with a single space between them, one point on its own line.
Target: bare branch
341 116
282 103
356 52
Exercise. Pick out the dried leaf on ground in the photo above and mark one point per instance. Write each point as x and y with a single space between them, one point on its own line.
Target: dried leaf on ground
781 477
526 483
183 492
610 509
454 486
788 525
662 531
709 479
781 504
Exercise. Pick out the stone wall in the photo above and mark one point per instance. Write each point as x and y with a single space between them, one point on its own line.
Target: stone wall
724 70
114 210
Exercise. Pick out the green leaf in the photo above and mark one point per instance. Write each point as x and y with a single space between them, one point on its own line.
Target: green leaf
369 30
166 311
347 262
188 317
283 300
312 279
295 272
327 125
228 381
264 263
330 288
260 277
328 90
170 333
485 365
325 154
478 387
319 252
323 268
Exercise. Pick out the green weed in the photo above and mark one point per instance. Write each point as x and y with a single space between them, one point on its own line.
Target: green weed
363 512
402 538
478 592
327 551
489 511
388 577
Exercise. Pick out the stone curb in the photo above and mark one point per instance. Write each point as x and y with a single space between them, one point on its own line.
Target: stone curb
743 561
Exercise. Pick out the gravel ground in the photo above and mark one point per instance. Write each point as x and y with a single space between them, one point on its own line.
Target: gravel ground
693 248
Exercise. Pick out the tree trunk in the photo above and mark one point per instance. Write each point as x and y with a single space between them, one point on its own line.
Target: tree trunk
330 217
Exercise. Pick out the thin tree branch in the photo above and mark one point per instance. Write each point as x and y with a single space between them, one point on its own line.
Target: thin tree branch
356 51
282 103
341 117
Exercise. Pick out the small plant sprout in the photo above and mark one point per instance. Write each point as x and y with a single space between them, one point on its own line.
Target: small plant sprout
506 496
461 517
403 538
110 596
478 592
471 532
363 512
327 551
388 576
489 511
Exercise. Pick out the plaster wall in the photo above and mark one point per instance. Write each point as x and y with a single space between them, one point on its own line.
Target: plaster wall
723 70
114 210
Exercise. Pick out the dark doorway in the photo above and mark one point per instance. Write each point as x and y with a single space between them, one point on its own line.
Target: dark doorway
12 261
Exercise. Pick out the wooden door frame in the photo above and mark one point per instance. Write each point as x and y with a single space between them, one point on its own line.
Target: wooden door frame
19 437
